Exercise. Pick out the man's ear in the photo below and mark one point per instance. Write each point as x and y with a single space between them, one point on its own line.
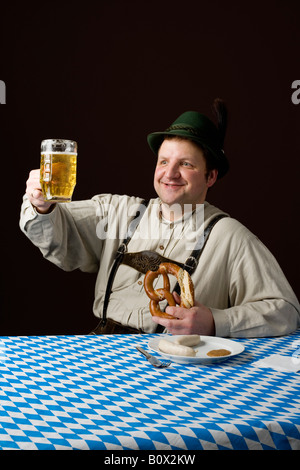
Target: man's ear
212 177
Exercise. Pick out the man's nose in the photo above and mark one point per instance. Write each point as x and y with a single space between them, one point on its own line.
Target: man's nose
172 171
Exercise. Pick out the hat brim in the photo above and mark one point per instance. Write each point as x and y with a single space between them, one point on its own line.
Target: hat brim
155 139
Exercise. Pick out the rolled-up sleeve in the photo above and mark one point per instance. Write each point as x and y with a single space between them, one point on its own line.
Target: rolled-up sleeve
67 235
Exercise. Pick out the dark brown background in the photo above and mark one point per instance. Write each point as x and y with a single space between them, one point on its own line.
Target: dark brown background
106 74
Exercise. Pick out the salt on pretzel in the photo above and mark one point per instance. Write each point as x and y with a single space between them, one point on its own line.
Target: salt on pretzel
185 283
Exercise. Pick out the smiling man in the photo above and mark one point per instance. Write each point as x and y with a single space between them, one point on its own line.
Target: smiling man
240 290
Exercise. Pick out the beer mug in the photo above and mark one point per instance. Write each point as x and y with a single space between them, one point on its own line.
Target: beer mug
58 169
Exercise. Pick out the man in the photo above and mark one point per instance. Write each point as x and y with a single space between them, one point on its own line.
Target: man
240 289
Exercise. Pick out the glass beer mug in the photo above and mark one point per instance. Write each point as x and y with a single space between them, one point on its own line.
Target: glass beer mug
58 169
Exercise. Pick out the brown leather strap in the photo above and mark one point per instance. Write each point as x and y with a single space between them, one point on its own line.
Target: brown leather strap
119 256
101 327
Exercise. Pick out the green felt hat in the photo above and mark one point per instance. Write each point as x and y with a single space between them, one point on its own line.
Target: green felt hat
198 128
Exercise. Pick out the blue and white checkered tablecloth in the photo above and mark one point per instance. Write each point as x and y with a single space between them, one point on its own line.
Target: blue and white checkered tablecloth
98 392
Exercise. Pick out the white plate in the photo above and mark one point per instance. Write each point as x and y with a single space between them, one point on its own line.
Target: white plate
206 344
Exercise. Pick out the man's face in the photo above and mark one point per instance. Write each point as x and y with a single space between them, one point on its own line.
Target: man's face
180 176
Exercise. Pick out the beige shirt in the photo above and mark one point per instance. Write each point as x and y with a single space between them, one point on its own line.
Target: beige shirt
237 277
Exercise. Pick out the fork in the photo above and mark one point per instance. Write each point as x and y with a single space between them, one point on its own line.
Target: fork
153 360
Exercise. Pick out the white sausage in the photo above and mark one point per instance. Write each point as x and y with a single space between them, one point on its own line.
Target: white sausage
170 347
188 340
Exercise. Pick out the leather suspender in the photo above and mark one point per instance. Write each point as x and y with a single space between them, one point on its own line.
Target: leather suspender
189 265
119 256
192 261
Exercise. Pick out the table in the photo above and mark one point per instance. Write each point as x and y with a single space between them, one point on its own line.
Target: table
98 392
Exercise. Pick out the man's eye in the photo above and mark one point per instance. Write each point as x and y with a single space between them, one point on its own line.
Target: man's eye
186 164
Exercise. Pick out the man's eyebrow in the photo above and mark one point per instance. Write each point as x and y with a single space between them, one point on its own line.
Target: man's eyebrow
184 157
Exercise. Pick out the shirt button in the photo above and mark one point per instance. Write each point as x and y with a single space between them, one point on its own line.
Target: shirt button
161 247
140 282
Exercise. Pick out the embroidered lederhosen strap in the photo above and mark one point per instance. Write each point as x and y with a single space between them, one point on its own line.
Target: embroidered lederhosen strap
119 256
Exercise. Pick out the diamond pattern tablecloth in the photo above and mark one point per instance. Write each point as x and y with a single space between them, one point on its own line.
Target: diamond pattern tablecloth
98 392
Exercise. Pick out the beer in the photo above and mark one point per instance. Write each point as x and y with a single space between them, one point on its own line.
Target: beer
58 170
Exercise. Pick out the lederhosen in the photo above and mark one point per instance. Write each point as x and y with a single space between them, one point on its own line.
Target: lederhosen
109 326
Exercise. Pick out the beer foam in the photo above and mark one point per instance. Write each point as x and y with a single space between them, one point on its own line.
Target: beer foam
49 152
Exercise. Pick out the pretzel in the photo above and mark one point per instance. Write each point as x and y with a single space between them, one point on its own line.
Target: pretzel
156 296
